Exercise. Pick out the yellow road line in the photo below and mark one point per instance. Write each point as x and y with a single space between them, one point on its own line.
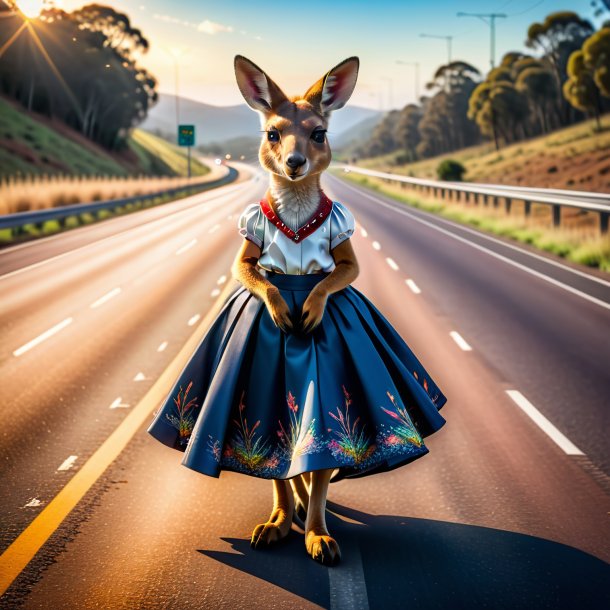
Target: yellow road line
27 544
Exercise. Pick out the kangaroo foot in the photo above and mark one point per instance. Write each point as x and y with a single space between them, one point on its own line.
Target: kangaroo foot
322 547
278 526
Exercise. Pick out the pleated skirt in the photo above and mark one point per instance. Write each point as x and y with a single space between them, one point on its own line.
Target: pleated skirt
351 395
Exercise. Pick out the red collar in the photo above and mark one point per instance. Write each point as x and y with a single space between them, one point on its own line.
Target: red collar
324 208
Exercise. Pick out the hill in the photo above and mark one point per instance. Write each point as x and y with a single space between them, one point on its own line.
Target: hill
220 124
576 157
34 144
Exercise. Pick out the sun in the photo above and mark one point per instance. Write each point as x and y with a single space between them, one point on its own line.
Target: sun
30 8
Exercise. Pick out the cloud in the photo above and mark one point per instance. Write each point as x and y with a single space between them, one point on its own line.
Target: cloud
209 27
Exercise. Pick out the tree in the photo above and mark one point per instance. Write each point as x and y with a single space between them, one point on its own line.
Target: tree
558 36
596 52
408 135
538 85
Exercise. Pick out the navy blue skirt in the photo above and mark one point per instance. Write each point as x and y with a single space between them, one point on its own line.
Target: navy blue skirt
350 395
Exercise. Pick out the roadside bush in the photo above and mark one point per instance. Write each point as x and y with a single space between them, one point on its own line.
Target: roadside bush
450 170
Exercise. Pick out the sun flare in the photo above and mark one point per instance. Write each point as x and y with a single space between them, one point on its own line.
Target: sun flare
30 8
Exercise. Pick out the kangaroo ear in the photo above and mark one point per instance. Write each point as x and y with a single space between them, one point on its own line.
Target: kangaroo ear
333 90
258 89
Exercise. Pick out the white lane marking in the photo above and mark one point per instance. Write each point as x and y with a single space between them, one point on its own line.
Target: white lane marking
376 245
117 404
68 463
115 236
222 279
193 320
412 285
363 232
392 263
214 229
186 246
550 261
460 341
106 297
140 377
542 422
162 346
45 335
215 292
33 502
542 276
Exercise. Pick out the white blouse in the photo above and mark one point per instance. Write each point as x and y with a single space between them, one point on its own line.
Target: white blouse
310 255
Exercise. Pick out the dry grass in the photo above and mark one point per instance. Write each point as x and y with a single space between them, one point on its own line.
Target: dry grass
577 157
44 192
577 239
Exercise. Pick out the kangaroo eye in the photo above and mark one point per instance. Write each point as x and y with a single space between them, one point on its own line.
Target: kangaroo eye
318 136
273 135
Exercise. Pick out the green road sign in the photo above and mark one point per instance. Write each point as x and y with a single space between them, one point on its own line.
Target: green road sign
186 135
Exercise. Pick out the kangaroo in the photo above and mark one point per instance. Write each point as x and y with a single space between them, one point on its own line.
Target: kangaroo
294 150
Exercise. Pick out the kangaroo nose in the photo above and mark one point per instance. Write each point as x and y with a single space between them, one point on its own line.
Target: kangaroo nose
295 160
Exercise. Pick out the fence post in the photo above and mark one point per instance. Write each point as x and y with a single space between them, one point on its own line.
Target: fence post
507 204
556 215
603 222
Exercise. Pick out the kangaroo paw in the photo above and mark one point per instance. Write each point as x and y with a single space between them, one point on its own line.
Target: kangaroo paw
274 530
323 548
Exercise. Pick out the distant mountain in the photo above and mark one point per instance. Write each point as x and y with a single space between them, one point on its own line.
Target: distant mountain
219 124
349 139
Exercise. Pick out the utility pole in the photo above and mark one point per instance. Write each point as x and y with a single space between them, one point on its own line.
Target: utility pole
416 64
447 38
492 26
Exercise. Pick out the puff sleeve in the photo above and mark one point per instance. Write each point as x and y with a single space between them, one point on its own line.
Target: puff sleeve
251 225
342 224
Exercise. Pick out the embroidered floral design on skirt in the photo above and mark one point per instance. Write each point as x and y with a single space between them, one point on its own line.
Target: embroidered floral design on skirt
350 396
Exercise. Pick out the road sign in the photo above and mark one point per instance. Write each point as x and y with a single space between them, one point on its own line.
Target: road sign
186 135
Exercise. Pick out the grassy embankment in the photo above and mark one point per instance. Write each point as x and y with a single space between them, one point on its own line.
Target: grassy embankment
584 158
44 164
577 157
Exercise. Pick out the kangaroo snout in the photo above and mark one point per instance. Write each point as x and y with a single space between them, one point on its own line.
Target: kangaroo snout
295 160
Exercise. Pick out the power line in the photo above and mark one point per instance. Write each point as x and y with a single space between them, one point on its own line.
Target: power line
492 26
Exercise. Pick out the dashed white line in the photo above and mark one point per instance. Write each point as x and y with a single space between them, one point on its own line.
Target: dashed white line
45 335
117 404
194 319
507 260
162 346
460 341
68 463
412 285
222 279
140 377
33 502
184 248
215 292
544 424
214 229
363 232
376 245
392 263
106 297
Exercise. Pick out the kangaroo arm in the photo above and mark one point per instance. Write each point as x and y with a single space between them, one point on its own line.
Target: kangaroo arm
345 272
244 271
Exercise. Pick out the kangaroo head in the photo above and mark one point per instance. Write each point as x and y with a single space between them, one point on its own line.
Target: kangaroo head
294 144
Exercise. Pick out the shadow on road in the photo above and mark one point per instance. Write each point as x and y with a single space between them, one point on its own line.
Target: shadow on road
420 563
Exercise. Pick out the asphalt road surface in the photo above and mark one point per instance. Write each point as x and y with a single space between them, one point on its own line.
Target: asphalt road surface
510 509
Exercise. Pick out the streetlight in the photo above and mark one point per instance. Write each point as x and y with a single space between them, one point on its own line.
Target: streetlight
447 38
176 54
416 64
492 26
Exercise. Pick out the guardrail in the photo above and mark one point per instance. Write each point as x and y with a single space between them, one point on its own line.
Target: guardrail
39 217
477 194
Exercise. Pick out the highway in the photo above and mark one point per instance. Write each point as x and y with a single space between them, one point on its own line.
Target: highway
509 509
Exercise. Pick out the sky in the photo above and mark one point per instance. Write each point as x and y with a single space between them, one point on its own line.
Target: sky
296 43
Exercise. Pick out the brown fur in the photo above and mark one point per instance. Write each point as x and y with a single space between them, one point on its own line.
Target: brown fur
295 118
